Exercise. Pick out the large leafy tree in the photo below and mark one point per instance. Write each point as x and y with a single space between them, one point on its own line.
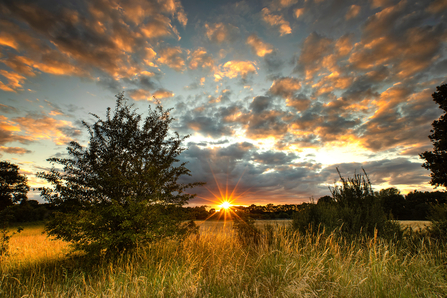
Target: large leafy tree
436 160
121 189
13 185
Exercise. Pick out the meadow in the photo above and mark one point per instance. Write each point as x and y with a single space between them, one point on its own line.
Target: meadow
214 263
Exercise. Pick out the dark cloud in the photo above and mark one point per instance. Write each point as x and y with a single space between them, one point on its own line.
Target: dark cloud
274 158
7 109
273 178
259 104
399 171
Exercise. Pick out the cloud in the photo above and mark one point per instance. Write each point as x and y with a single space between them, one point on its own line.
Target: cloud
14 81
437 6
393 172
159 26
143 94
315 50
258 46
220 32
162 93
7 109
172 57
266 123
14 150
200 58
276 21
281 4
285 87
353 11
140 94
37 127
234 68
278 158
402 119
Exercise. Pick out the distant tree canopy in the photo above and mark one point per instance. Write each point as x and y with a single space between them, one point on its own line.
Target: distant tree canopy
121 189
436 160
13 186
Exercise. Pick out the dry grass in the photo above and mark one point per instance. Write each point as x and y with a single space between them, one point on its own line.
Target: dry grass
215 264
415 224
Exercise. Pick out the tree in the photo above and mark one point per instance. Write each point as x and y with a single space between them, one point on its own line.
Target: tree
436 160
121 189
13 186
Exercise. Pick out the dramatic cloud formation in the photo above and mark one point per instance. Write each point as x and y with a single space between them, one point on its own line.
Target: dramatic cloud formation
274 95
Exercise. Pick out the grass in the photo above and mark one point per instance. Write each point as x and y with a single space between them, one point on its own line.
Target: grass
215 264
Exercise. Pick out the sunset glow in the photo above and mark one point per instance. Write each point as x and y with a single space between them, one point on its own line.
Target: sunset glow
275 95
225 205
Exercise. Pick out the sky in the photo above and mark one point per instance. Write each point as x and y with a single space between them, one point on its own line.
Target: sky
275 95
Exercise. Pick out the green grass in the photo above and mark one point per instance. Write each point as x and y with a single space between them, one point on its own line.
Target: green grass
215 264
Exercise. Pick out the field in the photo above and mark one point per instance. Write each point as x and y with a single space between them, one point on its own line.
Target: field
215 264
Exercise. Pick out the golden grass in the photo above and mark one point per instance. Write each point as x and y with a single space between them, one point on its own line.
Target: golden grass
32 246
215 264
415 224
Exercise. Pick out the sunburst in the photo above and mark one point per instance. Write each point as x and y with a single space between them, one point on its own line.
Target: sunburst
225 199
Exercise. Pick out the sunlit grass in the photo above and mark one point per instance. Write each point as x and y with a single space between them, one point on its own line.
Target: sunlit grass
215 264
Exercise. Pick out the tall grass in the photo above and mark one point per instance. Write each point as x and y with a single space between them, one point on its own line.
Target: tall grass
217 264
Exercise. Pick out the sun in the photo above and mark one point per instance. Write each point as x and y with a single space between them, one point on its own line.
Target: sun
225 205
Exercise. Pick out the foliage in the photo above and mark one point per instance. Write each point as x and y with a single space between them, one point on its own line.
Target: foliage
5 233
436 160
354 209
121 189
438 218
246 231
393 203
13 186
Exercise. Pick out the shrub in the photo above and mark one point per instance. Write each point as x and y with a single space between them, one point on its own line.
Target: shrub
246 231
353 210
438 218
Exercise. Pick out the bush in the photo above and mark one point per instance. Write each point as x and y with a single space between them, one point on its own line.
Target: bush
353 210
246 231
438 218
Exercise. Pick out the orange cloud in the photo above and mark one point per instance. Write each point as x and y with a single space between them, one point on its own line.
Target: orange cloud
299 12
233 68
172 57
200 58
353 11
276 20
344 45
314 54
160 94
437 6
15 81
46 128
20 65
332 82
258 46
6 39
14 150
140 94
159 26
220 32
285 87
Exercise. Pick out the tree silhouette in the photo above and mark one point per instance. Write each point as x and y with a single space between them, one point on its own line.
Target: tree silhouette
436 160
121 189
13 186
